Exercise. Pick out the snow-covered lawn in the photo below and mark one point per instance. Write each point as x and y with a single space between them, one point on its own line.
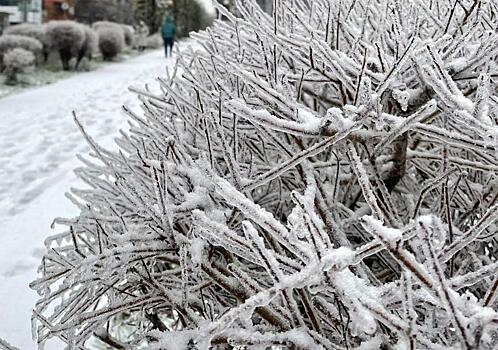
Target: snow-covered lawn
51 72
38 143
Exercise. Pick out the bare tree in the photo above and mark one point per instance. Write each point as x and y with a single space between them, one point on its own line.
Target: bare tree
150 12
90 11
323 177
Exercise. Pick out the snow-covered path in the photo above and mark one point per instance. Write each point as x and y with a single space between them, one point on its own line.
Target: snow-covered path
38 143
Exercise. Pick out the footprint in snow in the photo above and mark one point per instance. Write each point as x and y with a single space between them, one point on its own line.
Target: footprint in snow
29 176
30 195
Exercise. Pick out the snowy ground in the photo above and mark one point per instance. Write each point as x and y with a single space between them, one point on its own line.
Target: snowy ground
38 143
51 72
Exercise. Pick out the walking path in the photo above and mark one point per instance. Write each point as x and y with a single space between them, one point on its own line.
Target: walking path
38 144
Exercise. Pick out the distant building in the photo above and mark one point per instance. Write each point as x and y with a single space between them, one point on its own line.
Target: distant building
19 11
4 21
58 9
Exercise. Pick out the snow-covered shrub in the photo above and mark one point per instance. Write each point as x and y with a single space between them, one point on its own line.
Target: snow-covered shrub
16 61
129 34
106 24
111 42
101 24
35 31
154 41
90 45
28 29
13 41
323 178
67 38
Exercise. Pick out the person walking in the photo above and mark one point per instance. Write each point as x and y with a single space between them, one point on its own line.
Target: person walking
168 32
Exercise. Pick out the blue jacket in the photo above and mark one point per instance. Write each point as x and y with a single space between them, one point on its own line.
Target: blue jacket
168 30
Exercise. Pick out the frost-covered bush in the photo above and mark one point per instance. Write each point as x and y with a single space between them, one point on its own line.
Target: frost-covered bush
28 29
106 24
90 45
35 31
16 61
129 34
112 38
12 41
111 42
323 178
67 38
154 41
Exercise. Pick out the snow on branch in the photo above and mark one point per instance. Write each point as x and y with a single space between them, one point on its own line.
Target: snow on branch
320 177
